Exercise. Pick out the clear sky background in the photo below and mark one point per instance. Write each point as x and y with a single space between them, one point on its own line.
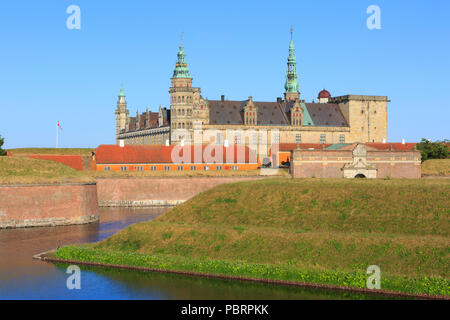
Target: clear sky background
236 48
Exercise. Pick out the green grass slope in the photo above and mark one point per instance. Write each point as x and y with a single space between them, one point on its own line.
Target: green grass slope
18 170
321 231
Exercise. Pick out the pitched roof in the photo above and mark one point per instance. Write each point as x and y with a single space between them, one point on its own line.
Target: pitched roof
326 114
274 113
371 146
397 146
114 154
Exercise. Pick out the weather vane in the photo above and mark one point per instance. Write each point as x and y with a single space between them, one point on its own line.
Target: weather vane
292 30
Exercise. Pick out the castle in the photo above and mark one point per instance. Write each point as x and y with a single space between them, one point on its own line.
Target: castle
343 119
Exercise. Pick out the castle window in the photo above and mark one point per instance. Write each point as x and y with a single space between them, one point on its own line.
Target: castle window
323 138
183 125
139 168
341 138
218 167
179 99
179 125
254 138
276 138
234 167
179 112
298 138
182 112
180 168
153 168
107 169
123 168
193 168
166 168
237 138
206 168
182 99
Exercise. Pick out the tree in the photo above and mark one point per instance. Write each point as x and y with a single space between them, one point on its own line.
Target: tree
2 152
433 150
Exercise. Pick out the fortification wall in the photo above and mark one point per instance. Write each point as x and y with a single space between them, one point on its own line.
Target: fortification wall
74 161
156 191
47 205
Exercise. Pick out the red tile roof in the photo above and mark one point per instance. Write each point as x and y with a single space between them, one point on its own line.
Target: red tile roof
113 154
285 147
395 146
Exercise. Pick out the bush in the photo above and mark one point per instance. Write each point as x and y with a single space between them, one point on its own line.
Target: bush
2 152
433 150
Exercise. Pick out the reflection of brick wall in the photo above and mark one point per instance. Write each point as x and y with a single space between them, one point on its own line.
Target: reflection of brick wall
47 205
156 191
73 161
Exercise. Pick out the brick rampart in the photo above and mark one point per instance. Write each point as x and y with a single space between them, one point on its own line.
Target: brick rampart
47 205
156 191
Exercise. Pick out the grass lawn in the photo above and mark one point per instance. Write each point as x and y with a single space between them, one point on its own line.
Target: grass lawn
25 152
20 170
436 167
306 230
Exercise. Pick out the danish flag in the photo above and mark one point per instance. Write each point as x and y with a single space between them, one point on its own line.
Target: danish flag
58 125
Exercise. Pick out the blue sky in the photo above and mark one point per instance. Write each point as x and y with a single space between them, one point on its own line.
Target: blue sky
236 48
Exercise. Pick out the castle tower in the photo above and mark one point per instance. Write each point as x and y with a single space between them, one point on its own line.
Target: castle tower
121 114
291 86
186 104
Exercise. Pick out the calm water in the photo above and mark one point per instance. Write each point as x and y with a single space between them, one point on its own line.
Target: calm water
21 277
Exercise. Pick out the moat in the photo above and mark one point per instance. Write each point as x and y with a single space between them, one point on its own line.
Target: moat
22 277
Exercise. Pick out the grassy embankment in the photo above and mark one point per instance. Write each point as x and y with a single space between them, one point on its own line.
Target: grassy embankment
28 173
436 167
25 152
21 170
318 231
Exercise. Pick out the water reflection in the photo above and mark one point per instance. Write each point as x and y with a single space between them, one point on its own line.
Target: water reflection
21 277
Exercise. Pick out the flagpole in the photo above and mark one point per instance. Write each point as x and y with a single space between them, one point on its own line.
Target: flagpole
56 135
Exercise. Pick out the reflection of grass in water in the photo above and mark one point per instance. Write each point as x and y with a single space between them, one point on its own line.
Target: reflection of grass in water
187 287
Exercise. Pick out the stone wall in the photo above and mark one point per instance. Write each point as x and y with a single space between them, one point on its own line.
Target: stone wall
156 191
47 205
330 163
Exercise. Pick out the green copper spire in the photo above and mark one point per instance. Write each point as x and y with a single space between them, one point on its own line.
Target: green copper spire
121 93
291 84
181 67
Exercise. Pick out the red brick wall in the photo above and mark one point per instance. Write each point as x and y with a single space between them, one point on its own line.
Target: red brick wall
73 161
46 205
156 191
405 164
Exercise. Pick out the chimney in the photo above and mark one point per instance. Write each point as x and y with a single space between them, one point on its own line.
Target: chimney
403 141
121 143
222 97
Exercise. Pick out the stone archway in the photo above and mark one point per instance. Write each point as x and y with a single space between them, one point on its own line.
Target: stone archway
360 176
